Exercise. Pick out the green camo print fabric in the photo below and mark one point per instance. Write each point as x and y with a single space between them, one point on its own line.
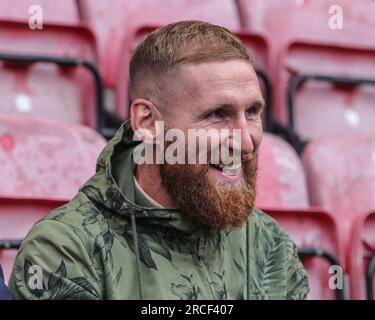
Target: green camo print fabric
111 243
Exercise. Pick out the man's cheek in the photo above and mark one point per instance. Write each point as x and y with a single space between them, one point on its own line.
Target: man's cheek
257 138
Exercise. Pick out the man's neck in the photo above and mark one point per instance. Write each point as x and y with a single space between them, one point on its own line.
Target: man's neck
149 179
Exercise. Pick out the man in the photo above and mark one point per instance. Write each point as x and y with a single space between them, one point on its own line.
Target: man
156 230
4 292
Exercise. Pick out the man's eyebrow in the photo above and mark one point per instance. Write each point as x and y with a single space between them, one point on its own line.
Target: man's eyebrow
217 107
259 102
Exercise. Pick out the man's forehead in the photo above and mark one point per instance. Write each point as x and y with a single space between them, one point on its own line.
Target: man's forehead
239 70
203 77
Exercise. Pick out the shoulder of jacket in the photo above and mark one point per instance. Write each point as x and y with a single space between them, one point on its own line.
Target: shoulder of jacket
268 225
79 216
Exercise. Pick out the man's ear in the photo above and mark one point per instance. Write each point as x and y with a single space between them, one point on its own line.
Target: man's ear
143 117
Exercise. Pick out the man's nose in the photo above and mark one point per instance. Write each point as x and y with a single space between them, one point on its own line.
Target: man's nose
241 138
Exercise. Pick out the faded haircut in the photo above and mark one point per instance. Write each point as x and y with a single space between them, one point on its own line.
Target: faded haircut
182 43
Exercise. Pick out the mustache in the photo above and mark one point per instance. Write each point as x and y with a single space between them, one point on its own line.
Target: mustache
246 157
243 158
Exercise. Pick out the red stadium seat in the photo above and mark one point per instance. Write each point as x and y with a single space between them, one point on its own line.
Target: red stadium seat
43 163
117 24
282 193
49 72
57 11
16 218
308 20
361 257
281 181
330 89
45 159
302 41
340 173
315 234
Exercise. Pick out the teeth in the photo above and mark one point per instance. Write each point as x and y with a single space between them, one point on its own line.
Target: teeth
220 165
231 171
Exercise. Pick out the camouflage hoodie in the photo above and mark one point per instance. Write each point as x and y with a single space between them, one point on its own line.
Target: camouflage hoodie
110 242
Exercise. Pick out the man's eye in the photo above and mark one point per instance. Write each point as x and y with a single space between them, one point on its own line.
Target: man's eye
215 115
251 112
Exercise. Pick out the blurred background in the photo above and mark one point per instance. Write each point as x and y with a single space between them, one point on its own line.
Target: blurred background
64 92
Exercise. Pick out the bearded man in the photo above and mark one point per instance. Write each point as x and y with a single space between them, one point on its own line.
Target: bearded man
162 230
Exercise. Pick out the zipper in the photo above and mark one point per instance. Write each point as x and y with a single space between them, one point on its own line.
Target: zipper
201 254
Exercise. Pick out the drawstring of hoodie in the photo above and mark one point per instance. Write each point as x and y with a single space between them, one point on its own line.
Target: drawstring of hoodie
138 260
247 261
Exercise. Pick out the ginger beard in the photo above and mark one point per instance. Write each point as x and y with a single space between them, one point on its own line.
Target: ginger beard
215 204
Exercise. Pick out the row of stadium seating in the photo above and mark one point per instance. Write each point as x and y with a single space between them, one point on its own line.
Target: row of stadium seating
62 83
325 201
306 64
